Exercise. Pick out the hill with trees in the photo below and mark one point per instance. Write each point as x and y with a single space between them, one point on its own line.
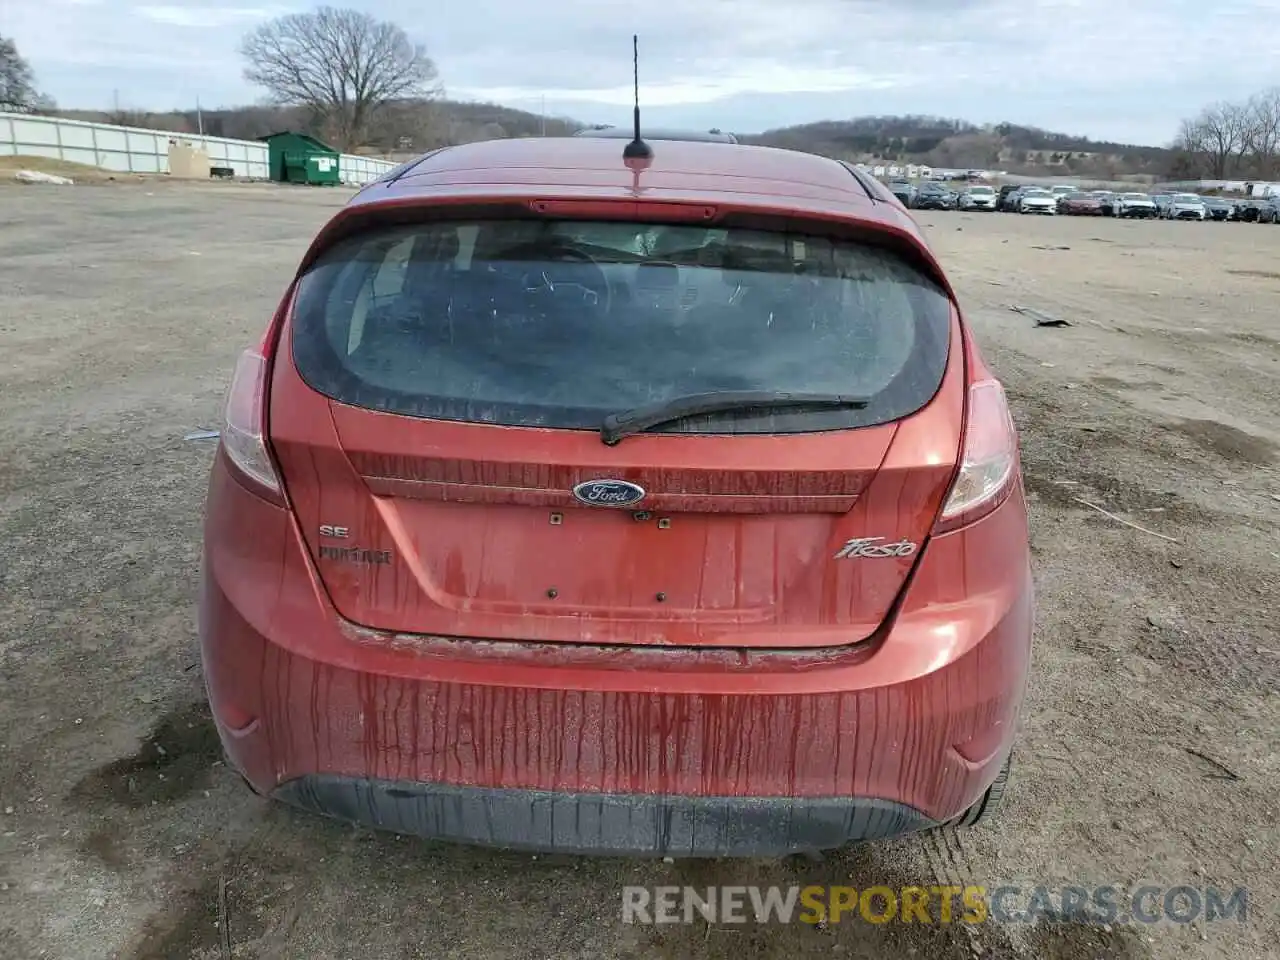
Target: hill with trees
412 126
402 127
948 142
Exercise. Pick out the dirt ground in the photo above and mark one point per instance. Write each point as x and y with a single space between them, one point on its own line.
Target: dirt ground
79 172
122 308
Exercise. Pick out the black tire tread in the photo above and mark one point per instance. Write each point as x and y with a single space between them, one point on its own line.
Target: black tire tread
989 802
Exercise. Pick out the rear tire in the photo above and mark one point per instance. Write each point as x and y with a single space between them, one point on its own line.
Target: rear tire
990 800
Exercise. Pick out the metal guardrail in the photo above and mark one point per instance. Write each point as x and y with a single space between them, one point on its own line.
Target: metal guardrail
138 150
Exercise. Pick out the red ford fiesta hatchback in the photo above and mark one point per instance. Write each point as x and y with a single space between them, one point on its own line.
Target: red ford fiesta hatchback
659 506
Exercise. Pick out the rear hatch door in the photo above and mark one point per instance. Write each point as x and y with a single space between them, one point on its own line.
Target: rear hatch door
445 387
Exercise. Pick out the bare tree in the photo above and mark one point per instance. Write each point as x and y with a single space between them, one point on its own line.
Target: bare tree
1184 165
342 64
1191 136
1218 135
1190 150
18 92
1262 132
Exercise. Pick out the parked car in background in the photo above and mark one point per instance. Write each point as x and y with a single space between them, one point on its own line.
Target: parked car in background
1060 190
1108 202
1161 200
1269 210
935 196
1185 206
905 191
978 198
1135 206
1080 205
1246 210
1013 200
1002 200
1037 200
1217 208
476 568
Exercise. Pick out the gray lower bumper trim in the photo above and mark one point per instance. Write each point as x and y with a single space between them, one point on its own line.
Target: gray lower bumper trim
604 823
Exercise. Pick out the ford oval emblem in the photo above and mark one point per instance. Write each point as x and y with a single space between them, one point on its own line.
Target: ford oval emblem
608 493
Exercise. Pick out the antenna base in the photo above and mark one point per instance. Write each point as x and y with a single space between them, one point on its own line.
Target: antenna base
637 150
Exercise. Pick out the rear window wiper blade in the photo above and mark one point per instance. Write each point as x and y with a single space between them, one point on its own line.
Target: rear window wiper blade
628 422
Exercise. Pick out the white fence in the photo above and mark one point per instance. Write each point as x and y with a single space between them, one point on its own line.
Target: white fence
135 150
355 169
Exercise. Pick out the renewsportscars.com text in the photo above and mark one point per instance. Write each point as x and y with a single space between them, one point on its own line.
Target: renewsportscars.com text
933 904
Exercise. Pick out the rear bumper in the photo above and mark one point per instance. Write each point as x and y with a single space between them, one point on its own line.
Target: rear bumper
604 823
657 751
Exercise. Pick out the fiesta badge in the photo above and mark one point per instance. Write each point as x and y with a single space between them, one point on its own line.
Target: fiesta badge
608 493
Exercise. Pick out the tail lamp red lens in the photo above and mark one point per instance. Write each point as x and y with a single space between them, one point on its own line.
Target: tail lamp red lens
244 426
989 460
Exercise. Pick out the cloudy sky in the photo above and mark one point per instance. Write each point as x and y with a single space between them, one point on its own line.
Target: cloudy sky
1111 70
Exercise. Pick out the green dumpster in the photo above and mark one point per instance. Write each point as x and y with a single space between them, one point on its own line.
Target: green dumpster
299 158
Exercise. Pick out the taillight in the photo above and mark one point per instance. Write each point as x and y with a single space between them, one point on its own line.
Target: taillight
244 427
989 460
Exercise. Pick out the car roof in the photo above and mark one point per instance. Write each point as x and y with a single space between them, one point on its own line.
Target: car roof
587 168
663 133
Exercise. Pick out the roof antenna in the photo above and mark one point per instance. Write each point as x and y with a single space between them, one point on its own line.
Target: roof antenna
637 149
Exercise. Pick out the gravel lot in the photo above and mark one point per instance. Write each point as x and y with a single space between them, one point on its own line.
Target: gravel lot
122 308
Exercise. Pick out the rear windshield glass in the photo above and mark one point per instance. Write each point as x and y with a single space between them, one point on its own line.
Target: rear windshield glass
561 323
